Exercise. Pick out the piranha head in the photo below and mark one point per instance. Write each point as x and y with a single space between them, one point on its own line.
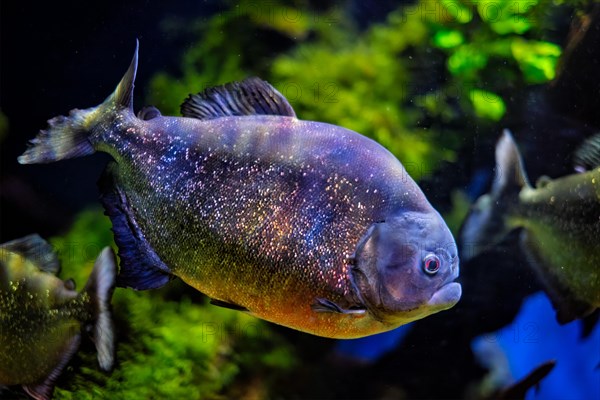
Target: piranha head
405 267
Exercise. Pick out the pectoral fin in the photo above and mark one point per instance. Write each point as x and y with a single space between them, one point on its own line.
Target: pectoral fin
224 304
324 305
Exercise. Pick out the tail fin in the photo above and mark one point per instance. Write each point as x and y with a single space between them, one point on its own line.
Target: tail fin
486 223
100 287
69 137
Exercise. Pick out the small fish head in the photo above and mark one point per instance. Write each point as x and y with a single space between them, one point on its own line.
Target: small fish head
405 267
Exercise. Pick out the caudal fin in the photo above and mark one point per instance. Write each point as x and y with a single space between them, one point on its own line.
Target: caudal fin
66 137
71 136
100 287
486 225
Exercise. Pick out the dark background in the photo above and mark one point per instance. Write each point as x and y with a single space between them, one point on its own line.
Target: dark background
56 56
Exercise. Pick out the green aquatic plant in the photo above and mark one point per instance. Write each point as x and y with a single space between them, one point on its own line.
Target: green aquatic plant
537 60
230 46
487 104
493 47
171 343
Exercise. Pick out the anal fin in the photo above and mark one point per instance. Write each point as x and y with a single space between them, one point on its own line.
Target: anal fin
141 268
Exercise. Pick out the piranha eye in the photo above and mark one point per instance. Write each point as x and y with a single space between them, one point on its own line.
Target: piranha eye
431 264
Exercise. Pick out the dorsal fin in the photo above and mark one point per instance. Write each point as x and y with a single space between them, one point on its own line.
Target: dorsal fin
123 94
36 250
510 173
252 96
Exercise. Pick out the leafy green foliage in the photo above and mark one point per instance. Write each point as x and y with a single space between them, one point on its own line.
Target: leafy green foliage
448 38
466 61
487 104
506 16
499 40
576 4
169 345
229 47
536 59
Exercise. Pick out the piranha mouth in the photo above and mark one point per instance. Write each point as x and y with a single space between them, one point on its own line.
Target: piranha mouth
446 296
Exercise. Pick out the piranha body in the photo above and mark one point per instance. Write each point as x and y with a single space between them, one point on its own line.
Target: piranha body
559 224
41 316
305 224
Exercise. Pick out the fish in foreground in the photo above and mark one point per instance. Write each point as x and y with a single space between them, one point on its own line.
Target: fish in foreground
304 224
559 223
41 316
